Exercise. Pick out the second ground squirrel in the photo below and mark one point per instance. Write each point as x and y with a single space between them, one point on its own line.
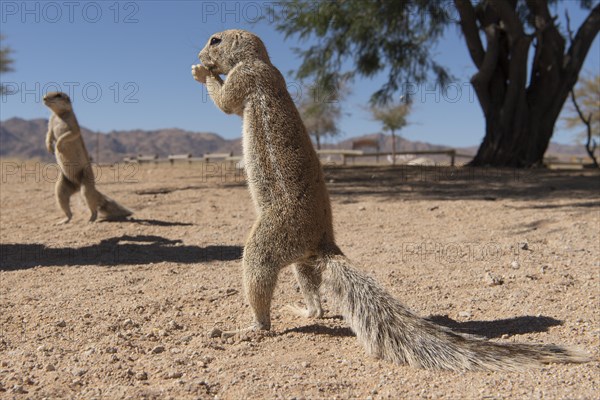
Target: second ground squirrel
74 162
294 225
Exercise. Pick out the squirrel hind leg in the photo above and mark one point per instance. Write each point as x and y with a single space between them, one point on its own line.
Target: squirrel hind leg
309 280
259 285
64 189
268 249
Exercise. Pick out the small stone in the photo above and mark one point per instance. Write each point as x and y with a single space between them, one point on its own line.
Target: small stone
492 280
215 333
50 368
61 324
162 333
80 371
362 208
525 246
128 324
111 350
464 314
305 364
158 349
543 269
141 376
174 375
18 389
186 339
172 325
514 264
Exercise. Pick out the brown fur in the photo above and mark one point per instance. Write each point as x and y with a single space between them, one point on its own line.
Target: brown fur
294 225
74 162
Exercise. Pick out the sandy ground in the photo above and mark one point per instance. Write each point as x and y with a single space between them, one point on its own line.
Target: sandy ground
124 309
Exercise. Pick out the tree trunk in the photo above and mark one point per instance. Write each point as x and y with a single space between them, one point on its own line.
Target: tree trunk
515 145
520 115
393 147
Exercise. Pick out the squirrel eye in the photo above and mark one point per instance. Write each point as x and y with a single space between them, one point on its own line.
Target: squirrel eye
214 41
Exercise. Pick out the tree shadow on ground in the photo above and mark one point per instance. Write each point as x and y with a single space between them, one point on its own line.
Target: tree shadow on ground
499 327
453 183
123 250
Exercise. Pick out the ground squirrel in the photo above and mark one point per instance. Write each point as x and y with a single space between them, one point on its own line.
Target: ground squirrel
294 225
74 162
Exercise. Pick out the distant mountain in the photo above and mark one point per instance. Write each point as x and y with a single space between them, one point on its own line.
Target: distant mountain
25 139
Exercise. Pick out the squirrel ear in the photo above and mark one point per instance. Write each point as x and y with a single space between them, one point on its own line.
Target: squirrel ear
236 39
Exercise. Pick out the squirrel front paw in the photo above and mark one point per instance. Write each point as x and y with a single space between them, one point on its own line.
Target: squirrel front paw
199 72
49 148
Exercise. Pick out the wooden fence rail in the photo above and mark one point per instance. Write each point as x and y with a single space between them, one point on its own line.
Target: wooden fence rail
345 154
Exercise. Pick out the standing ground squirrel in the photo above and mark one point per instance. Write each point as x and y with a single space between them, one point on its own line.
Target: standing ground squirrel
294 225
74 162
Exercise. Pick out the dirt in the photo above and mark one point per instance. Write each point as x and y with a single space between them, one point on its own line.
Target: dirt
125 309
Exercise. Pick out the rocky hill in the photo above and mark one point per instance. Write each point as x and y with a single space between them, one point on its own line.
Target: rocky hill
24 139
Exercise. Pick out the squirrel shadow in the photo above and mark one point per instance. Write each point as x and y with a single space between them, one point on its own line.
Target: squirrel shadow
499 327
337 331
125 249
487 329
153 222
156 222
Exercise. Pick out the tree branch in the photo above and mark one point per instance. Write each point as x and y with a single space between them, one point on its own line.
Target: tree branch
590 146
481 79
569 30
581 44
543 20
468 24
509 18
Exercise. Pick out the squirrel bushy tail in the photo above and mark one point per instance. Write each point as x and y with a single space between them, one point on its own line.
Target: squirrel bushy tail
388 330
110 209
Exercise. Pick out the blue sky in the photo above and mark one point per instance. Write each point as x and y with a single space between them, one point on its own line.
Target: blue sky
127 66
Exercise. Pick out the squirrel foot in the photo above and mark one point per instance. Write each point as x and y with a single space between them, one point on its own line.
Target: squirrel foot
304 312
254 329
64 221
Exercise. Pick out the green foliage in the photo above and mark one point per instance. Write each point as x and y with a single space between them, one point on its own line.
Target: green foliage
321 112
393 116
365 38
393 36
5 61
